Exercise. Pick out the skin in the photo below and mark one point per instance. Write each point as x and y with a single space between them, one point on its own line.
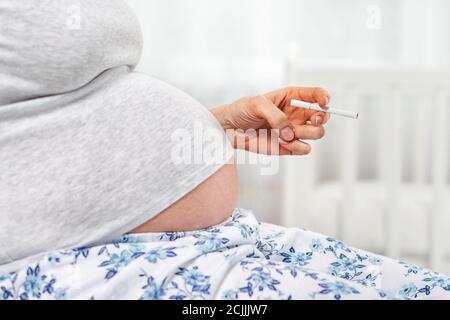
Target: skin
215 199
209 204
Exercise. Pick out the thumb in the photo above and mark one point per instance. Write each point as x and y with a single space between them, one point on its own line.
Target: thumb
274 116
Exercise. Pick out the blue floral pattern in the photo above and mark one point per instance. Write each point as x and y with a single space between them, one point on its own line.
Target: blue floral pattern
239 259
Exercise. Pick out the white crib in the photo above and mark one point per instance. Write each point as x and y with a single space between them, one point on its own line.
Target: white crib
380 183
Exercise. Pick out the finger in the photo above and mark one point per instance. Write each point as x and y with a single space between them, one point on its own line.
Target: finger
306 94
264 108
324 118
277 119
254 143
284 152
312 95
319 118
309 132
297 147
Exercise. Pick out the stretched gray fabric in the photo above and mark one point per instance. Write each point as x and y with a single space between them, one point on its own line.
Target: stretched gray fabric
85 142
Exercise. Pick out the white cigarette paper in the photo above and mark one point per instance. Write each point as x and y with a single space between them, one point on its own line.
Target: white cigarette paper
330 110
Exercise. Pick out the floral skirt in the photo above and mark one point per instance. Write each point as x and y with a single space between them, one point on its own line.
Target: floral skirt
239 259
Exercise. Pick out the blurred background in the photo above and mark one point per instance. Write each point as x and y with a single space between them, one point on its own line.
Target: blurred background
380 183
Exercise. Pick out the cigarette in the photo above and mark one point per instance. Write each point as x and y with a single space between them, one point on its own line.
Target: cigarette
330 110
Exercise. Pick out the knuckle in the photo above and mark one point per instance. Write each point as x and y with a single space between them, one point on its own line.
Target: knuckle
257 101
291 90
320 91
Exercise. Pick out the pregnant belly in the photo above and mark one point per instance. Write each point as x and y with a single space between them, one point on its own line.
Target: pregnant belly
209 204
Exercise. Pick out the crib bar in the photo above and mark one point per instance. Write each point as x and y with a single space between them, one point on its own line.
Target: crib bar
299 174
349 163
394 170
388 86
421 134
439 178
384 134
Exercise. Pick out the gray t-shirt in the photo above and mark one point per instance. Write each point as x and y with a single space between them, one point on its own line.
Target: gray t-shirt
87 144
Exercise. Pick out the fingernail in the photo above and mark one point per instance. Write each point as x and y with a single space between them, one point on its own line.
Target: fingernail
327 100
287 134
319 120
282 142
308 149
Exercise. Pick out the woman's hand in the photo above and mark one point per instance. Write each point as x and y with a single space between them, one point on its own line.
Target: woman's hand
273 111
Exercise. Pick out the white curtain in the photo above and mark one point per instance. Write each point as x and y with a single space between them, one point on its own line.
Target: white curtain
224 34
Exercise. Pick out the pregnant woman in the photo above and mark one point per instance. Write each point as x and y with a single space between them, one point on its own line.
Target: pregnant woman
93 205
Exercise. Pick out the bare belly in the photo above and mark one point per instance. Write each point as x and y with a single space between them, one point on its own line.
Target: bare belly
209 204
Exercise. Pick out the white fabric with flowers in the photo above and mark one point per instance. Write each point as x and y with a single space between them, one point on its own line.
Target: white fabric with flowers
239 259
